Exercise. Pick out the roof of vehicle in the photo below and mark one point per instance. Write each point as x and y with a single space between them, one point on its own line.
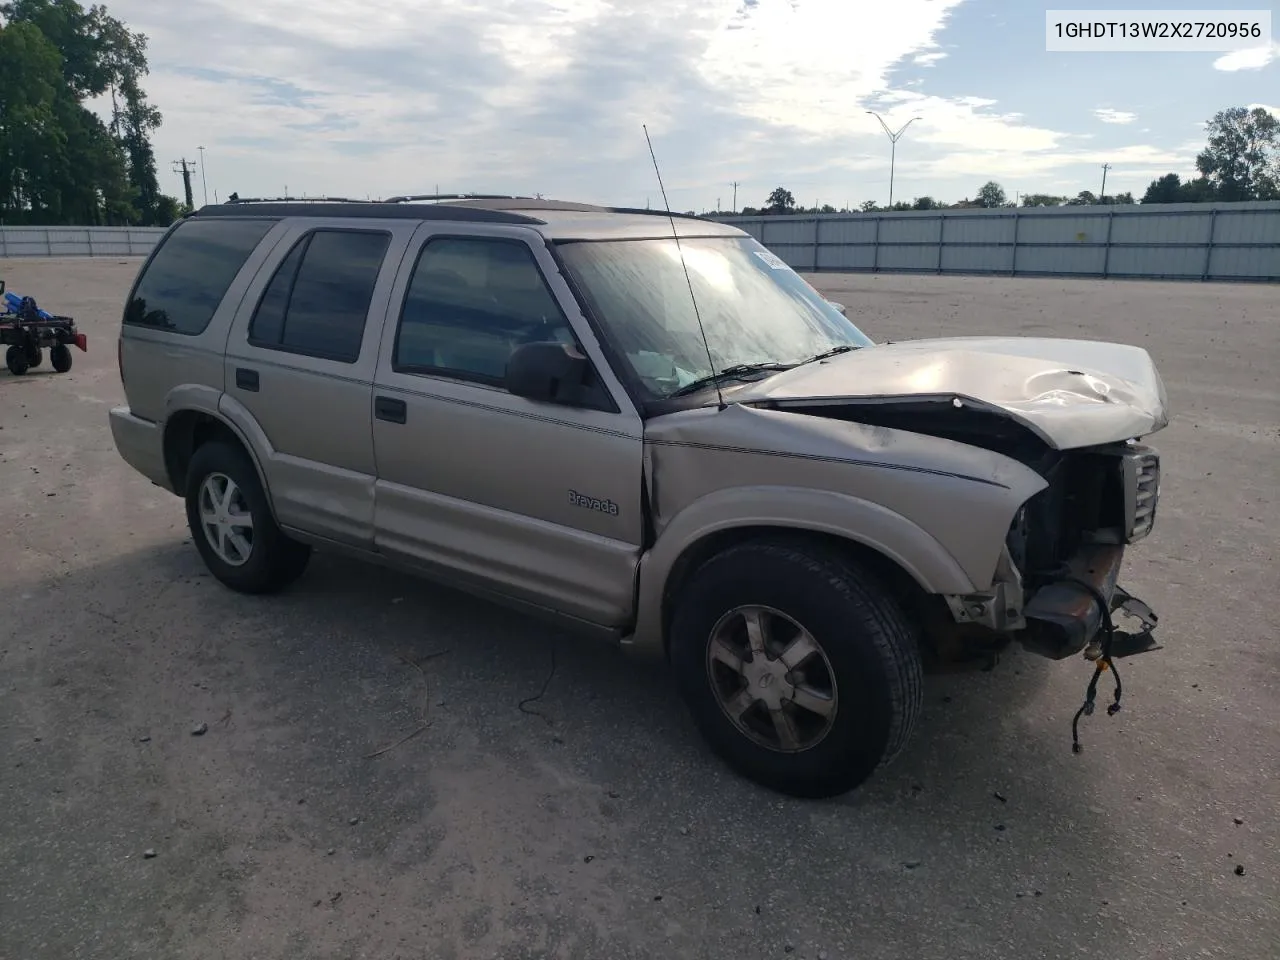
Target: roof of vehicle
555 219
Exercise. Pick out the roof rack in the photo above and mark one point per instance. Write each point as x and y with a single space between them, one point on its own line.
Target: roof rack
455 196
365 209
656 213
236 199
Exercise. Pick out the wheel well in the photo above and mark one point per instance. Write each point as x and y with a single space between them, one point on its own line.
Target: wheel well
184 433
902 586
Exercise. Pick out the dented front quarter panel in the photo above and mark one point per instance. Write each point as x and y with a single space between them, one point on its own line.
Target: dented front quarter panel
939 508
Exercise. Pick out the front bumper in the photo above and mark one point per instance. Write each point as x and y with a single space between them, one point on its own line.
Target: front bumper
1063 617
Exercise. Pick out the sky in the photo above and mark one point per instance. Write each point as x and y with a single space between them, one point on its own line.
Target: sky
383 97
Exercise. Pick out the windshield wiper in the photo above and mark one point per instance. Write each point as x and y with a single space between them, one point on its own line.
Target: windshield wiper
833 352
735 372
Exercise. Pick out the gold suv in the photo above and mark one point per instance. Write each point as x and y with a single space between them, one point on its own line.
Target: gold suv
649 427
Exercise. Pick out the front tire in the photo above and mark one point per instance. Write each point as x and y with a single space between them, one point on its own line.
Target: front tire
799 668
232 526
35 356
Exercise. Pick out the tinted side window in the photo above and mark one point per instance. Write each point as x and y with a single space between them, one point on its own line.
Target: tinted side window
470 303
187 278
267 325
318 300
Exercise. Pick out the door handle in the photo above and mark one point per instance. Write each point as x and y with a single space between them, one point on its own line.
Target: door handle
247 379
390 409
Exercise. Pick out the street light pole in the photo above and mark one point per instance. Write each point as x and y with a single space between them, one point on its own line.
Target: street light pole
204 184
893 147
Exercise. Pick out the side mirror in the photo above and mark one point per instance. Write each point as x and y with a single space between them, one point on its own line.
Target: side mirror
839 306
548 372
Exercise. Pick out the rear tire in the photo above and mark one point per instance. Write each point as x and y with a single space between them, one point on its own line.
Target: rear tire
60 357
16 359
834 687
232 526
35 356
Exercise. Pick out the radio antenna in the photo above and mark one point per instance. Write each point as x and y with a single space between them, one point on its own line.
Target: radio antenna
687 279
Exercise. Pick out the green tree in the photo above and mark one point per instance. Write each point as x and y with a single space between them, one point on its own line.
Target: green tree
925 203
1171 189
1242 157
1116 199
76 34
991 195
84 171
1042 200
133 119
781 201
1166 189
1200 190
33 144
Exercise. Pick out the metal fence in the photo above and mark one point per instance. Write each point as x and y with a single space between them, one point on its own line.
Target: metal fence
1185 241
78 241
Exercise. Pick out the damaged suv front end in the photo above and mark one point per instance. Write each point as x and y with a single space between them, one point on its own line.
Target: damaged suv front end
1067 545
1074 412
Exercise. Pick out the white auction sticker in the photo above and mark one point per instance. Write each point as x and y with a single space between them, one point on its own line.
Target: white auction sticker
772 259
1156 31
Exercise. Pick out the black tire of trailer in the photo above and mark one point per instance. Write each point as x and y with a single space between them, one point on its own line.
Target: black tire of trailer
60 357
15 358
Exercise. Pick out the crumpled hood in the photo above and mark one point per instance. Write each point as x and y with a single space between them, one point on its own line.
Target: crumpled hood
1072 393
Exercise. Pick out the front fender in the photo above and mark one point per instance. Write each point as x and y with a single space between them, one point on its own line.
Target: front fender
917 552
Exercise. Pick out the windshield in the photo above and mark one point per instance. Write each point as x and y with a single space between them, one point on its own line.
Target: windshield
754 308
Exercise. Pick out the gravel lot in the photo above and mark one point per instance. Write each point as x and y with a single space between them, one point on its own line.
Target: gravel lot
596 824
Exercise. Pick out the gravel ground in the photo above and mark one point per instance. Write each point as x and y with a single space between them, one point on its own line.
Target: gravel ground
593 822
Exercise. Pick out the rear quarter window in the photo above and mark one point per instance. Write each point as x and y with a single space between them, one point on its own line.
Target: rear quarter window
182 285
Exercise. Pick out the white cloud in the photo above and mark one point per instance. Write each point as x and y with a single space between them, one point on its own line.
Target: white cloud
1136 161
1107 115
815 66
1255 58
393 96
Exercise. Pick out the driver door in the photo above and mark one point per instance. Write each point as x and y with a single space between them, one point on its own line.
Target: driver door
534 500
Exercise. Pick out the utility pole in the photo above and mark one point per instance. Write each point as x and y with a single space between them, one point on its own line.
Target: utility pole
1105 168
735 195
184 166
893 146
204 184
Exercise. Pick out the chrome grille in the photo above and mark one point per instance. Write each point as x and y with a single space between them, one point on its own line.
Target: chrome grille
1142 491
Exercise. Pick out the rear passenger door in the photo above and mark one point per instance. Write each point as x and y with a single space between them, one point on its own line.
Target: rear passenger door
300 361
538 501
